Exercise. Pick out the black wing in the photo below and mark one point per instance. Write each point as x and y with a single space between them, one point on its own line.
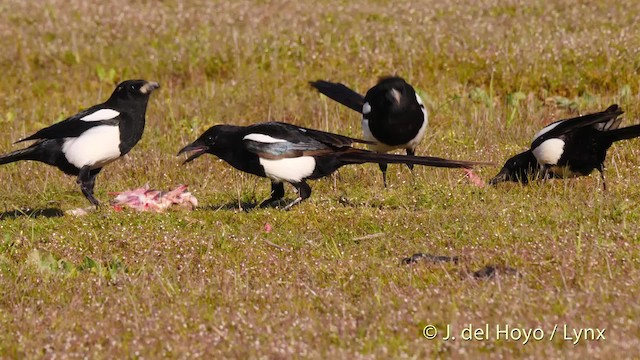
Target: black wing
604 121
340 93
72 126
282 140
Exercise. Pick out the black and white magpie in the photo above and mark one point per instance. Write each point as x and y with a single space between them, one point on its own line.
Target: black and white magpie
289 153
85 142
393 114
568 148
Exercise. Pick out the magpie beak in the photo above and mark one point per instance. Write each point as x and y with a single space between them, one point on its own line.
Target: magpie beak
197 148
149 87
501 177
394 96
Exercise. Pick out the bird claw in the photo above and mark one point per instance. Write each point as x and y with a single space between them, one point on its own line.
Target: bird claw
292 204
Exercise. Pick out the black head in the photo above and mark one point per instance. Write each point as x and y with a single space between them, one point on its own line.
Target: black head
518 169
208 142
133 90
393 91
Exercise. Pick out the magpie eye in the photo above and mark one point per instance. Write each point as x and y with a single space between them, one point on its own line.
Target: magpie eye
132 87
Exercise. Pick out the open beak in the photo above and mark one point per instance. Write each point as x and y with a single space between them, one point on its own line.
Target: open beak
149 87
198 150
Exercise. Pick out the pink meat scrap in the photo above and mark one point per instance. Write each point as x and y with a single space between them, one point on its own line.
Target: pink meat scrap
144 199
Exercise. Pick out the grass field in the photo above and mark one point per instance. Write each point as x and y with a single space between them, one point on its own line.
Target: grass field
328 280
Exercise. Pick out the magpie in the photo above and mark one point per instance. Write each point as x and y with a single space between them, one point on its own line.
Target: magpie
85 142
393 114
568 148
289 153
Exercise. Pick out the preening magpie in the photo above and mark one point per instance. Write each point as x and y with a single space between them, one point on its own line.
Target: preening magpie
393 114
289 153
568 148
85 142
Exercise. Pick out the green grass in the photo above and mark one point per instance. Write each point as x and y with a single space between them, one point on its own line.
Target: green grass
327 281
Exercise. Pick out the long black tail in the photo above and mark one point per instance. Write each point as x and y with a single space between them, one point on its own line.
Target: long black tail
359 156
22 154
628 132
340 93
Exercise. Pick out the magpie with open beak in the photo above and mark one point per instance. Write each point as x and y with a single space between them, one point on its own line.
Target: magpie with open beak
569 148
289 153
393 114
84 143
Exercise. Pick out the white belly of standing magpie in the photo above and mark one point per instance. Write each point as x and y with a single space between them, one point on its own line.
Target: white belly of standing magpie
289 169
549 152
95 147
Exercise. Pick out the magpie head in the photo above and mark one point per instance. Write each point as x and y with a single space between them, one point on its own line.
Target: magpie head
518 169
206 143
134 89
395 92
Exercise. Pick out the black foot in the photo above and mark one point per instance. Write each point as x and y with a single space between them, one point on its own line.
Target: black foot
410 152
277 193
383 168
304 191
87 180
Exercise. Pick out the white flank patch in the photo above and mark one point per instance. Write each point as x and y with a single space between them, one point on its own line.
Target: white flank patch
549 152
96 147
416 140
366 108
545 130
102 114
266 139
289 169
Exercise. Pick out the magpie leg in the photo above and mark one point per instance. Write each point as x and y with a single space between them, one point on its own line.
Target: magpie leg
601 170
383 168
411 152
277 193
304 191
87 180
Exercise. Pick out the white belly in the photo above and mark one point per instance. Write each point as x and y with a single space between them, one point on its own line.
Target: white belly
290 170
96 147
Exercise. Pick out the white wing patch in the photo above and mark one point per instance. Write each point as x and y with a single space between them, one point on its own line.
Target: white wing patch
366 108
546 129
102 114
262 138
289 169
549 152
95 147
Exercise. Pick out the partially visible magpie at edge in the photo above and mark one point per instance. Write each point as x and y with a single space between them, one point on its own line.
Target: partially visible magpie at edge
84 143
569 148
289 153
393 114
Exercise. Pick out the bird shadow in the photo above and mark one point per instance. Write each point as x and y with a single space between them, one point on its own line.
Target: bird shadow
32 213
245 206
